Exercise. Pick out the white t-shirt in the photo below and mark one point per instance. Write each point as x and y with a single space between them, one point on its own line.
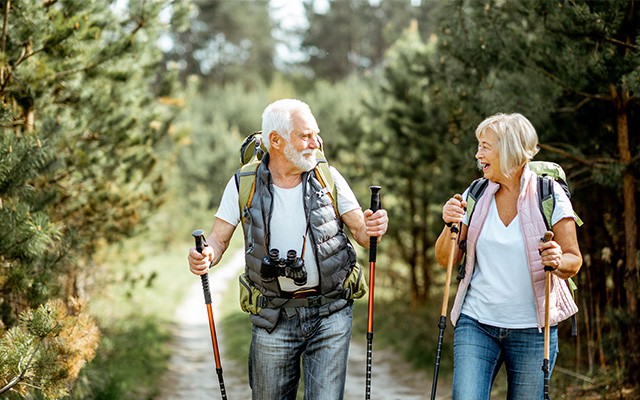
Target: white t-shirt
501 292
288 222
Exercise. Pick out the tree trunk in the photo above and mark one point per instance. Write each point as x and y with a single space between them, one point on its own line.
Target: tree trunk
621 99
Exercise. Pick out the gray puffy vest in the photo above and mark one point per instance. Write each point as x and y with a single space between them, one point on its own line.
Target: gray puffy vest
332 250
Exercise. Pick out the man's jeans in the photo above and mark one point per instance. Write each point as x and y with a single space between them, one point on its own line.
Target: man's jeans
321 342
479 350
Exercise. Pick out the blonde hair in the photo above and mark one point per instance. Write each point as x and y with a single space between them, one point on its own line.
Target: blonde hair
517 139
277 117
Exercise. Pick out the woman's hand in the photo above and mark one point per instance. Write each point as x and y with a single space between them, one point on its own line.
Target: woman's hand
551 253
453 210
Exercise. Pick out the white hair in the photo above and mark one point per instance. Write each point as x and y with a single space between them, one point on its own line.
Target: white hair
517 139
277 117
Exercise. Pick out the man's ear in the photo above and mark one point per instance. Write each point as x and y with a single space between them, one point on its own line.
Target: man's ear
275 140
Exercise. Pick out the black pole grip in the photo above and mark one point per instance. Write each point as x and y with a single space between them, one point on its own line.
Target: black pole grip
375 206
198 235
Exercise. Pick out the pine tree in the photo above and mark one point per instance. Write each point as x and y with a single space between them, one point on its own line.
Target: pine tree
572 68
403 138
84 116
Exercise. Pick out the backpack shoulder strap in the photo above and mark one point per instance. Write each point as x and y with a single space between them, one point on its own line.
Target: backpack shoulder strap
546 199
476 189
246 184
323 175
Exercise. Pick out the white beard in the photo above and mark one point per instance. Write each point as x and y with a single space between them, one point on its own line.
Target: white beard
298 157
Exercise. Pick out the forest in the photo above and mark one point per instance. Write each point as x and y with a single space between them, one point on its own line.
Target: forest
121 123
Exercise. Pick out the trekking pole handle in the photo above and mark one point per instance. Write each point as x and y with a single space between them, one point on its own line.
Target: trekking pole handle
548 236
198 235
375 206
455 227
201 243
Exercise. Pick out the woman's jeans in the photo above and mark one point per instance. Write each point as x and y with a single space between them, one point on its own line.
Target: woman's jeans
479 350
321 342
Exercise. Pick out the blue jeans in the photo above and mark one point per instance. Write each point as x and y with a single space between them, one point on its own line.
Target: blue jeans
320 342
479 350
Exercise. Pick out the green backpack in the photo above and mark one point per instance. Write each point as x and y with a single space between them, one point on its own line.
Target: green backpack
547 172
251 152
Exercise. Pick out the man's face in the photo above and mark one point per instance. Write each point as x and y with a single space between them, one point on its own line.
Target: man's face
303 141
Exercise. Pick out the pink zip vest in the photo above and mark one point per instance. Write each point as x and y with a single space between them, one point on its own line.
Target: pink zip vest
561 304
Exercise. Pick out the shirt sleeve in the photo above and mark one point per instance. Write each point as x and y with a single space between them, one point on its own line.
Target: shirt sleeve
229 210
563 207
465 219
347 201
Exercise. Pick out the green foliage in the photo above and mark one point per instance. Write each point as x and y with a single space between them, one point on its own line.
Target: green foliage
572 68
405 144
352 36
214 124
46 351
225 41
85 120
568 67
130 362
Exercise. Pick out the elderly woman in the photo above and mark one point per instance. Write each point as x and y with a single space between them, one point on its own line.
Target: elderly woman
499 310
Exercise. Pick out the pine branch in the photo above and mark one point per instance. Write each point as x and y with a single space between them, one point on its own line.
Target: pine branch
596 162
621 43
140 23
16 380
24 56
527 63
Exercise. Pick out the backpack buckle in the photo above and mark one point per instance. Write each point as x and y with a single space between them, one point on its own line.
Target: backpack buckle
314 301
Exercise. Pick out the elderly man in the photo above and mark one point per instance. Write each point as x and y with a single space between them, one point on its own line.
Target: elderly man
301 312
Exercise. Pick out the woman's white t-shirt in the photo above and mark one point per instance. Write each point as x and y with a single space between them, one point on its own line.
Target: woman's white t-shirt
501 291
288 222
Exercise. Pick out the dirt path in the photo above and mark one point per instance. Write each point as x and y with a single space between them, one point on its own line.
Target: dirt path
192 369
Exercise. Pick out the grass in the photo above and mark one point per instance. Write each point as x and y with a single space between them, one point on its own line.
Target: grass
134 310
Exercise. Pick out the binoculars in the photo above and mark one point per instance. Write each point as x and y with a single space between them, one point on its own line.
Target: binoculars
291 267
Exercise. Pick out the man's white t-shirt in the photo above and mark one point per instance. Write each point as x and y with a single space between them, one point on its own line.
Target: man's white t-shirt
289 223
501 293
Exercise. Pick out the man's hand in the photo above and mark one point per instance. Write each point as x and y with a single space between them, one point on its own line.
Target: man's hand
199 263
376 223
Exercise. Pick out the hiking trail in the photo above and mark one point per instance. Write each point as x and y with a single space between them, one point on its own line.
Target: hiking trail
192 372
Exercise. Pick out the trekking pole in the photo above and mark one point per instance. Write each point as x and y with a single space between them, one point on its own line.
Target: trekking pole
373 245
547 288
445 303
201 243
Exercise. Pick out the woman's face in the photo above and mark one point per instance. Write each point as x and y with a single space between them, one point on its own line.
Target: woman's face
488 156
